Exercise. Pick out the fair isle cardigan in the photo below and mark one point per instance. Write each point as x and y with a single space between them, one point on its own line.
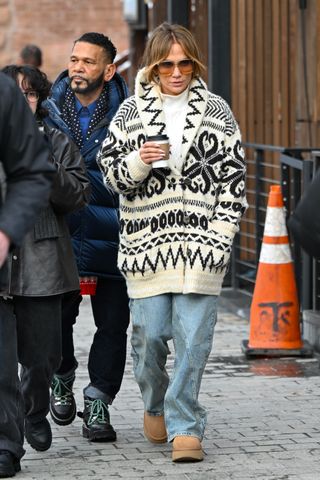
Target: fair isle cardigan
176 228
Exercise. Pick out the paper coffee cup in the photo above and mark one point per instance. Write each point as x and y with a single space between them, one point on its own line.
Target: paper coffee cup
163 142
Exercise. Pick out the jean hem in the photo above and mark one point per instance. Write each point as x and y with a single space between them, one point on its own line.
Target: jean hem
184 434
155 414
95 393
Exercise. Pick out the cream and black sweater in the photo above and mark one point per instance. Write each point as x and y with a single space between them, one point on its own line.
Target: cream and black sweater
176 228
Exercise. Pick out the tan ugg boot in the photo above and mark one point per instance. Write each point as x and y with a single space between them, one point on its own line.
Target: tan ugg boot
154 428
186 449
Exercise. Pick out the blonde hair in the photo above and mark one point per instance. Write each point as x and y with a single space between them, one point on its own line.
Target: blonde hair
159 46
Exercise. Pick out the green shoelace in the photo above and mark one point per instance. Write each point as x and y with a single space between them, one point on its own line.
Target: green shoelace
99 412
61 391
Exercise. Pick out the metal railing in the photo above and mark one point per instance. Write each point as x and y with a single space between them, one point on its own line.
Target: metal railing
293 169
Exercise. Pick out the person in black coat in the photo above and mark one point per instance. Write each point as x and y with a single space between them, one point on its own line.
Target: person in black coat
43 268
26 176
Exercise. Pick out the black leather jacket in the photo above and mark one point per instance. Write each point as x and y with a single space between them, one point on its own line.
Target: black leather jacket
45 265
25 172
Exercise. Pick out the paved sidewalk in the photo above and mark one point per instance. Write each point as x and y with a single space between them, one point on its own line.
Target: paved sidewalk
263 421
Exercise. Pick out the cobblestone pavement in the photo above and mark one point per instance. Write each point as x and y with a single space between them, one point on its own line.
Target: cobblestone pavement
263 421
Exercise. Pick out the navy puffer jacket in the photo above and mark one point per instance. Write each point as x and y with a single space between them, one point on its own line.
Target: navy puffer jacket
95 228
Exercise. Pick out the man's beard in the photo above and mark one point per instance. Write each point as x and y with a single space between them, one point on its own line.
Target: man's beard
92 86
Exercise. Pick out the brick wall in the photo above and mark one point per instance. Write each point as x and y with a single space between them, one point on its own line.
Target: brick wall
54 24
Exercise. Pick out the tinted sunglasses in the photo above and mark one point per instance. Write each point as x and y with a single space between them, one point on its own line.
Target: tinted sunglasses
167 67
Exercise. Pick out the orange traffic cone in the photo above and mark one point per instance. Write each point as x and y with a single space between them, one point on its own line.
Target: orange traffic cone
275 313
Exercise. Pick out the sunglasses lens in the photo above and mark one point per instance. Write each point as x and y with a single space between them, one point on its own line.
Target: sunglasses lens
185 66
167 68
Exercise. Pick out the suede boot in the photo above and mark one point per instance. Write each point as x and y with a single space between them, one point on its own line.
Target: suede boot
154 428
187 449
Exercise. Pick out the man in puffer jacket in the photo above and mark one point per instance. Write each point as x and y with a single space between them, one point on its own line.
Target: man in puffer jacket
83 101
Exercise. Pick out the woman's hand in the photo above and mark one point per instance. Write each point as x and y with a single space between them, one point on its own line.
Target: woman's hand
151 152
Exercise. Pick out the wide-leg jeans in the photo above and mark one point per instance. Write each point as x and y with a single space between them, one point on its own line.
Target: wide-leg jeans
189 321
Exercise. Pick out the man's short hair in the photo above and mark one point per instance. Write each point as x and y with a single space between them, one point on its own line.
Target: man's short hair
31 55
100 40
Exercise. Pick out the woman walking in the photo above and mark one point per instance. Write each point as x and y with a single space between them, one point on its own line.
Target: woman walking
177 227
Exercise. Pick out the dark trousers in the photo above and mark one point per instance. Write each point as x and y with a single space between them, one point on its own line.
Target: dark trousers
107 356
30 333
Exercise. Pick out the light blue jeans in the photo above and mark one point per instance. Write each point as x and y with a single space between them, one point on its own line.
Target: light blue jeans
189 320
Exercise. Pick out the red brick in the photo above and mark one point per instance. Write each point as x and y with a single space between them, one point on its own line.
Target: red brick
53 26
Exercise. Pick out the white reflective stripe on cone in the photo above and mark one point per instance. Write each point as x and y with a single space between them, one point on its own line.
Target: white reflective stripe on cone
271 253
275 224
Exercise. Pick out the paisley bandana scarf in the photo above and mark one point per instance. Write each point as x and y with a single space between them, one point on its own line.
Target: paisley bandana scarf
70 115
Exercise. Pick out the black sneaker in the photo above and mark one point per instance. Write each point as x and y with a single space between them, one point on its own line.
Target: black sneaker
96 421
9 464
62 402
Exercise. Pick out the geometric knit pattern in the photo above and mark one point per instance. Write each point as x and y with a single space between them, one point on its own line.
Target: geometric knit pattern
176 230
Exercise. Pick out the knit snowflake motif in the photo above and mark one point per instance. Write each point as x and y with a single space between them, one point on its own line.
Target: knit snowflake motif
203 164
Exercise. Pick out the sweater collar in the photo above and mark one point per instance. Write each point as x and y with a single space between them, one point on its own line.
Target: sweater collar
149 105
181 99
